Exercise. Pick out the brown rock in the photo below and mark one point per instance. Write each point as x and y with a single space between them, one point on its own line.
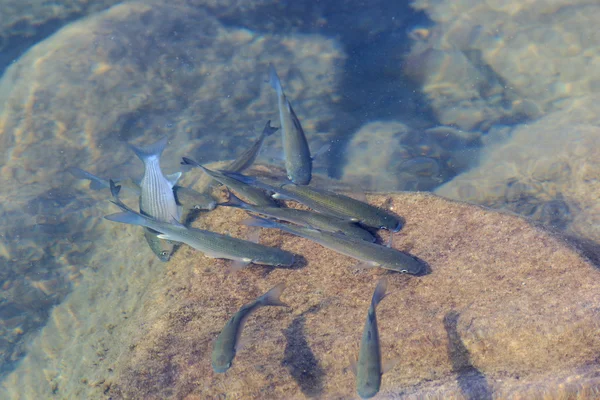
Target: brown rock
508 309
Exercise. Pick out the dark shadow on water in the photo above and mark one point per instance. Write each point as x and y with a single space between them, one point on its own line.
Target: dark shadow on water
299 359
471 381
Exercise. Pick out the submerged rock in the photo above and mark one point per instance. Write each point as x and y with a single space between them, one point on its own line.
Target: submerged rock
496 61
391 156
547 170
507 308
490 318
135 72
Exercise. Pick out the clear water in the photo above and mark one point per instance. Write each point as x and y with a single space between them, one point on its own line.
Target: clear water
458 98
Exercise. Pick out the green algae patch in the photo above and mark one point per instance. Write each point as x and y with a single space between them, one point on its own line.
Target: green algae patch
507 309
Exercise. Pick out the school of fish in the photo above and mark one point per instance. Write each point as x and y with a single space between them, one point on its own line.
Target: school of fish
338 222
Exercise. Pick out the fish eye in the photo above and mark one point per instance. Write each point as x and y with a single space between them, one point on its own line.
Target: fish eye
197 207
164 253
404 271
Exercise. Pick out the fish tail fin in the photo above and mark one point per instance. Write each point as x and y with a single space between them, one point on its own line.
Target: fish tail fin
379 292
271 298
268 129
154 150
235 202
114 190
274 80
190 162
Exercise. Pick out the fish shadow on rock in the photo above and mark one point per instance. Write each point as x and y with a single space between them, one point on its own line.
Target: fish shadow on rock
471 381
299 359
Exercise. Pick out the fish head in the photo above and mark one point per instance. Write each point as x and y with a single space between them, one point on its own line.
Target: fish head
162 248
164 255
221 364
369 388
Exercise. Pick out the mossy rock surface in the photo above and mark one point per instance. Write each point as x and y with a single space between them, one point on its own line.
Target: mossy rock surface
508 310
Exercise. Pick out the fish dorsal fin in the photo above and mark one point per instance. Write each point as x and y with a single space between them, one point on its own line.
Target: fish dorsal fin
173 178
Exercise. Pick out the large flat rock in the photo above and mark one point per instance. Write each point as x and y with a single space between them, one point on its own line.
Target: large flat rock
508 308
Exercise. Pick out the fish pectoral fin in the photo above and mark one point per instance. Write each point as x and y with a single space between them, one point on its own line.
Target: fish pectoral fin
237 265
242 343
322 150
389 365
352 361
173 178
253 234
163 236
365 265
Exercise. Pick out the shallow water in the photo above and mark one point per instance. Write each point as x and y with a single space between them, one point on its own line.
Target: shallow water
492 103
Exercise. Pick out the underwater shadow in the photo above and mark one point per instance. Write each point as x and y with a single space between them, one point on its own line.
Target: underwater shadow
299 359
471 381
586 247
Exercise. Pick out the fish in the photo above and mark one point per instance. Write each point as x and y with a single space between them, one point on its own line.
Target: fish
298 161
212 244
247 158
328 202
157 199
227 342
97 183
369 368
251 193
370 254
305 218
187 198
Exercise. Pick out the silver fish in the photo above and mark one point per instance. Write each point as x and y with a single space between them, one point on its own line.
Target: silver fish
157 199
328 202
97 183
186 197
247 158
305 218
224 348
251 193
212 244
370 254
298 162
369 368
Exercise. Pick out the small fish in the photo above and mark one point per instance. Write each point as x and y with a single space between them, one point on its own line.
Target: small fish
251 193
328 202
305 218
157 199
298 162
97 183
369 368
371 254
204 182
212 244
226 344
247 158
